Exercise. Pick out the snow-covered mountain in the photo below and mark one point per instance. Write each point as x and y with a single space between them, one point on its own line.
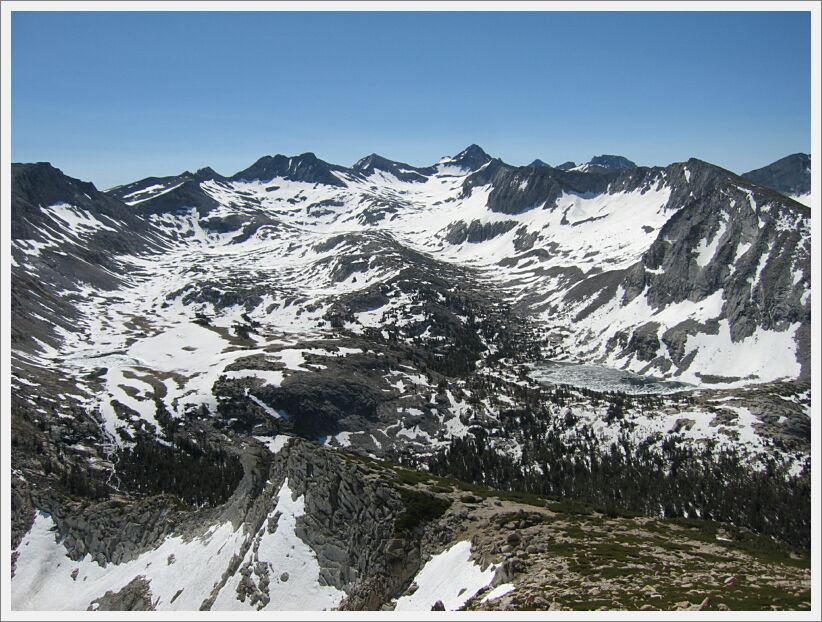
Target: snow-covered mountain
663 255
402 312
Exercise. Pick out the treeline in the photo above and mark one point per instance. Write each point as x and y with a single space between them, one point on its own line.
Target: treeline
200 476
671 478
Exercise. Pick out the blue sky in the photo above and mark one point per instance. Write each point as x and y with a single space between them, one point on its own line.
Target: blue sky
114 97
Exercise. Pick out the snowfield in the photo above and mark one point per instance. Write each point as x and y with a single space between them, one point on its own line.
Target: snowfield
287 562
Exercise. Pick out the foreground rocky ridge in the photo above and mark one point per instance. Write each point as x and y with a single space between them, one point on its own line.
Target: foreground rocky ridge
372 527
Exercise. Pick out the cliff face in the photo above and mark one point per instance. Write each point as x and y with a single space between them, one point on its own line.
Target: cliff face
354 528
738 242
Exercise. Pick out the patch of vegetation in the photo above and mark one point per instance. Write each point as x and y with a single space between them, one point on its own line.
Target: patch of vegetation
420 507
611 510
439 484
742 597
526 498
569 506
761 547
411 477
377 465
614 572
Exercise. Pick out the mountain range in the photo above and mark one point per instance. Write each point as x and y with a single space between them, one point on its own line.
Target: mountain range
308 385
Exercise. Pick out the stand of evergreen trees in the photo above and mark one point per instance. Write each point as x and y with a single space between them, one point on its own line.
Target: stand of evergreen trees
671 478
80 482
200 476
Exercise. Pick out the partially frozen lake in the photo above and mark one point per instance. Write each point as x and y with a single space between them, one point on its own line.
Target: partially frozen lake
602 378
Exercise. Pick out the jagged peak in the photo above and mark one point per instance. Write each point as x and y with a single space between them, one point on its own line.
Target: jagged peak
206 170
303 167
472 157
400 170
472 151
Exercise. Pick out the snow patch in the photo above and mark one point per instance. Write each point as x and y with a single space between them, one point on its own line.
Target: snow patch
282 552
44 570
451 576
276 443
498 592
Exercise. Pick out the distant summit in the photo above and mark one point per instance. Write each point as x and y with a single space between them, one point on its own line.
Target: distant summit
602 164
612 162
404 172
599 164
207 174
790 176
471 158
304 167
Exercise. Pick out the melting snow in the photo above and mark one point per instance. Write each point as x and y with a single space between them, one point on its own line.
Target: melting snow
766 355
451 576
276 443
804 199
706 250
498 592
79 222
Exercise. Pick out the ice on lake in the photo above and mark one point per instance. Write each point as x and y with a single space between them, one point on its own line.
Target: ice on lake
602 378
